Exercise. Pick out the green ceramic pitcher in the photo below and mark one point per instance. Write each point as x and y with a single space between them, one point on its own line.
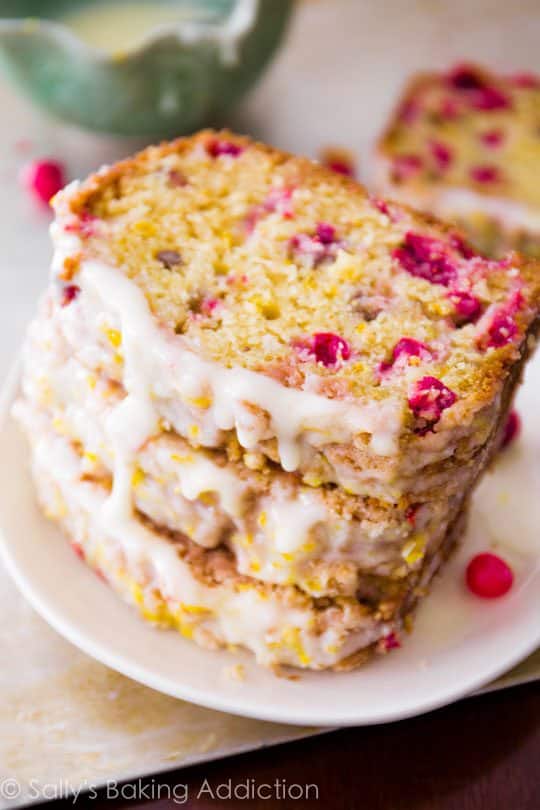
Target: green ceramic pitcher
180 77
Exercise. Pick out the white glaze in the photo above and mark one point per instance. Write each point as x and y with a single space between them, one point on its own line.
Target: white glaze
292 520
224 615
199 475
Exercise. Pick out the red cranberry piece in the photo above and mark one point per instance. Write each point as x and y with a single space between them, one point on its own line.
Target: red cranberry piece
44 178
217 148
468 306
489 576
489 98
381 206
329 348
425 257
512 429
485 174
410 347
442 154
69 294
501 331
393 213
465 77
407 347
390 642
326 233
428 399
492 138
481 96
208 305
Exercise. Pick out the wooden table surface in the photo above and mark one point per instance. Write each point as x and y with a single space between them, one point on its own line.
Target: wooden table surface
480 754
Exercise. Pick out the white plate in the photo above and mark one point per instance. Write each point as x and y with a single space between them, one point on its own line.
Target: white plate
459 643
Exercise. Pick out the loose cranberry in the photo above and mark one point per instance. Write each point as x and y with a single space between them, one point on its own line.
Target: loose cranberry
442 154
428 399
405 166
512 429
217 148
485 174
492 138
489 576
329 348
69 294
44 178
425 257
468 306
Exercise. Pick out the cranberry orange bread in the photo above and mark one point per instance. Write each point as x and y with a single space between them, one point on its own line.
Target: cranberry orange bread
465 146
247 377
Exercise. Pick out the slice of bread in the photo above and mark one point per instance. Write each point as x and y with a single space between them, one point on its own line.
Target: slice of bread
265 296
